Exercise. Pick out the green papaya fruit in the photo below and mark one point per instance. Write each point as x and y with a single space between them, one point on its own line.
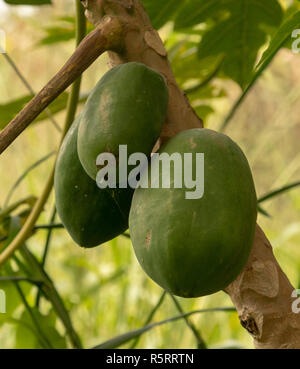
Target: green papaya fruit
91 215
128 106
195 247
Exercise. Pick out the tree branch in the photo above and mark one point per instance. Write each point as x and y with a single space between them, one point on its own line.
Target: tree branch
107 36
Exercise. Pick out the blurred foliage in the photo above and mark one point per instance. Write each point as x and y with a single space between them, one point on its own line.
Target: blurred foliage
102 294
28 2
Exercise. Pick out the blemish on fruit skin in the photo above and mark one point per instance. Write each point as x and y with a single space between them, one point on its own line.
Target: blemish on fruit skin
193 143
148 239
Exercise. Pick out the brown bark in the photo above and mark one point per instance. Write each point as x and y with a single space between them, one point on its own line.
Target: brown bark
262 293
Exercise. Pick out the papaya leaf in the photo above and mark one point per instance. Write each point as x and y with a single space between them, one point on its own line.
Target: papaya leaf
240 35
9 110
263 211
210 76
55 35
28 335
51 294
195 12
280 39
49 226
126 235
28 2
12 297
61 33
150 316
17 278
21 178
187 65
11 226
161 12
126 337
203 111
278 192
30 200
200 342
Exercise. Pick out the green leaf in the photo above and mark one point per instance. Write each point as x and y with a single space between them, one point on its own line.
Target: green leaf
27 336
62 32
28 2
160 12
56 35
6 211
280 39
23 175
49 291
203 111
198 11
11 226
186 64
12 297
278 192
150 316
263 211
240 35
9 110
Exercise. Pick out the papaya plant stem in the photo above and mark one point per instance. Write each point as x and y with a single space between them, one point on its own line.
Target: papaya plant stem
49 226
200 342
6 211
49 291
24 174
18 278
40 334
45 253
29 88
150 317
30 222
71 110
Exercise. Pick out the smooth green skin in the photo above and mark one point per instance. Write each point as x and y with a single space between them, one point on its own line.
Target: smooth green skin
197 247
91 215
128 106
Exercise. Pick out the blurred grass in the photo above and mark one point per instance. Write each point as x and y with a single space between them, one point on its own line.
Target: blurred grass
104 288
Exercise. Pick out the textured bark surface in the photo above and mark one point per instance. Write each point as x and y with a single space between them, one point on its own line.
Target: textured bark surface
262 293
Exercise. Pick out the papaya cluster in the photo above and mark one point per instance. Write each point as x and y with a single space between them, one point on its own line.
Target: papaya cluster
128 106
190 247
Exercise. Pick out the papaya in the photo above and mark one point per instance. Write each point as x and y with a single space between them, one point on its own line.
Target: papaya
128 106
91 215
196 247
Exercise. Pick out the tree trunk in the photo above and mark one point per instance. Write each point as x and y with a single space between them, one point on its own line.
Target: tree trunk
262 293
